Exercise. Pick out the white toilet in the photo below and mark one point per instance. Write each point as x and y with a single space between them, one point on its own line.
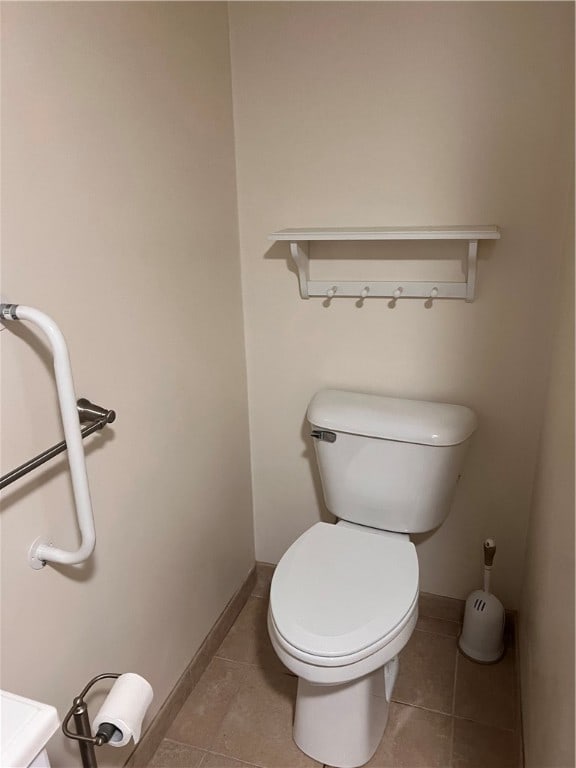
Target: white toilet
344 597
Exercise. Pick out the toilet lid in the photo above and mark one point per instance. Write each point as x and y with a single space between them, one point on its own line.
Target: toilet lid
339 590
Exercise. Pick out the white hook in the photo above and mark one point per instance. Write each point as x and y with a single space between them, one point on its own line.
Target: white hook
433 293
397 293
331 291
365 292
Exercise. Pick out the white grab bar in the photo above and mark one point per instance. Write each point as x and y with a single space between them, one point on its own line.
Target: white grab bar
42 551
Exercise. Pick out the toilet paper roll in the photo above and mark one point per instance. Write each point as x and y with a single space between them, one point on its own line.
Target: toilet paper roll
125 707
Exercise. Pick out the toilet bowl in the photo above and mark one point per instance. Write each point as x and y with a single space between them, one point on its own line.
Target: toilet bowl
343 604
344 597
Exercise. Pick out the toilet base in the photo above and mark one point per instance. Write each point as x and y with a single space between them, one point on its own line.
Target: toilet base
342 725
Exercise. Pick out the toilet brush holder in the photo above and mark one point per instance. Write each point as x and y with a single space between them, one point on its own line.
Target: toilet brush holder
482 637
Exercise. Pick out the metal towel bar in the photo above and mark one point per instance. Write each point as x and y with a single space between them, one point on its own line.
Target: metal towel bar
87 412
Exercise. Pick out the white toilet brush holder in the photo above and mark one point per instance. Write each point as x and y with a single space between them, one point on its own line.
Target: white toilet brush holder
482 637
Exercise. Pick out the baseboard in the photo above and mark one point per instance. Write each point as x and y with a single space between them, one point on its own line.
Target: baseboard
264 573
157 729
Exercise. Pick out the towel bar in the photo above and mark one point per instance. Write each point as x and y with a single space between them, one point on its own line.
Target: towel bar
98 418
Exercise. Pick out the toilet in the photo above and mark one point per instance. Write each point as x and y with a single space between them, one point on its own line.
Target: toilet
344 597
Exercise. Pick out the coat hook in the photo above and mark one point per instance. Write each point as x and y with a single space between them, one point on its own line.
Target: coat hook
363 294
330 293
429 303
395 296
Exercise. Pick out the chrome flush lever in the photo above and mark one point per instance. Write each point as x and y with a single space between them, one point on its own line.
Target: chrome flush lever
324 434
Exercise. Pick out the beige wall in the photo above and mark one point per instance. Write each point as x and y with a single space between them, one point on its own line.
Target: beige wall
547 609
358 114
120 220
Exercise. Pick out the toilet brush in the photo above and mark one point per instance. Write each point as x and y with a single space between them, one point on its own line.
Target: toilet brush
482 637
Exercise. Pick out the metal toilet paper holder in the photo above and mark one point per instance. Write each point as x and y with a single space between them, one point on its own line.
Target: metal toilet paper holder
83 735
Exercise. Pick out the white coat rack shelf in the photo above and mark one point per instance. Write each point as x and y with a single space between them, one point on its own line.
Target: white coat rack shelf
300 239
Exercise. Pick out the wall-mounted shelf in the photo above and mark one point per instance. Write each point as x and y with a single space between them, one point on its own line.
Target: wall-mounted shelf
299 240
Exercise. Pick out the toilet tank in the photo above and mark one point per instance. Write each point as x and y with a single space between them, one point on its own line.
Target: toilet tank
386 462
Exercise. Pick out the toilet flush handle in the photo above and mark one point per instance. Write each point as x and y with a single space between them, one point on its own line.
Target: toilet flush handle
324 434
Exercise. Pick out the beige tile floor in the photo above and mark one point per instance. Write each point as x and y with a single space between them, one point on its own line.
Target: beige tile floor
447 712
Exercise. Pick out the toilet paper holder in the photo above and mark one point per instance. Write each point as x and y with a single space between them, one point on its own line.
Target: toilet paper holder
83 734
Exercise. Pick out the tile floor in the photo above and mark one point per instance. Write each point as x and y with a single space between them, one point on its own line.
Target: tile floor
447 712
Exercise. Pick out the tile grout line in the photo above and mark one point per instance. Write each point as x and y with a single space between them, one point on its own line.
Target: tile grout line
227 709
184 744
431 631
419 706
485 724
446 621
229 757
453 718
257 665
236 661
206 752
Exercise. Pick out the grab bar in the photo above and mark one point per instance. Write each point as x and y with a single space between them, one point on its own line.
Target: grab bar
87 412
41 551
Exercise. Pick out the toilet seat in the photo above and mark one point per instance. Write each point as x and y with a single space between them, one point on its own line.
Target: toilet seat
341 593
